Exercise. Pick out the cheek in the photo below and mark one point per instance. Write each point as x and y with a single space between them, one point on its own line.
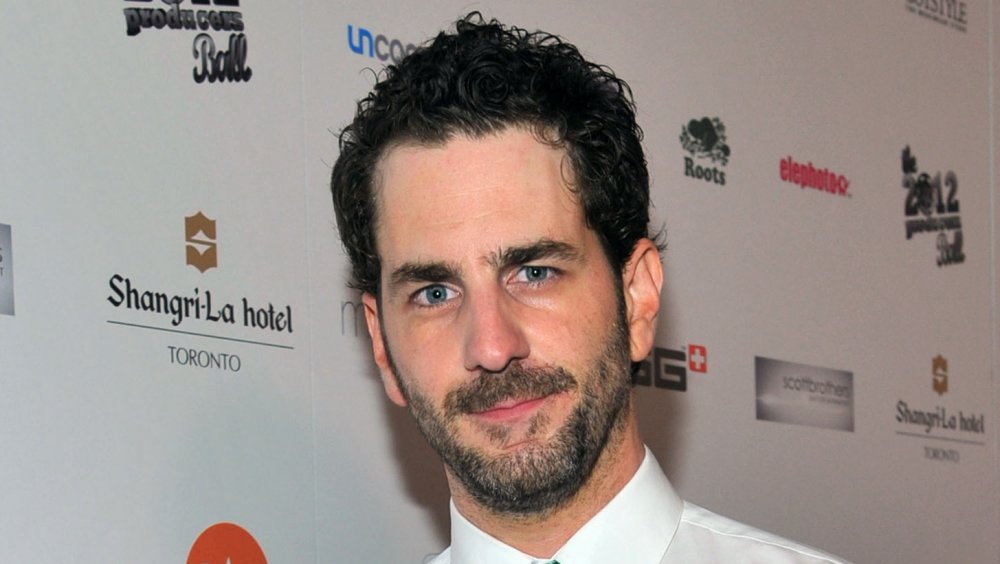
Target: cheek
574 333
423 360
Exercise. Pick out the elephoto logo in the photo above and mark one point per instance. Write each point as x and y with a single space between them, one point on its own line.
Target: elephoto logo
226 543
6 271
808 176
799 394
202 250
705 139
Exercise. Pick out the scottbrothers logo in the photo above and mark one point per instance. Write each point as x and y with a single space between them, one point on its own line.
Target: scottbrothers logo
705 139
668 368
931 210
363 42
211 63
808 176
789 392
6 271
202 251
226 543
951 13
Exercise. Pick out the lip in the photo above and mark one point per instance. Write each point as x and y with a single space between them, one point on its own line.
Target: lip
512 410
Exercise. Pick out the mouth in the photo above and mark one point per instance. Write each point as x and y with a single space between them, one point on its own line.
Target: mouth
511 410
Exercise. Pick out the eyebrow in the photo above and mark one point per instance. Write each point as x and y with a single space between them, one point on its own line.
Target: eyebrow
423 272
431 272
541 249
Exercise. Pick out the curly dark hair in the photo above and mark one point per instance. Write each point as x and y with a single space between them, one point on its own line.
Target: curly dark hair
481 79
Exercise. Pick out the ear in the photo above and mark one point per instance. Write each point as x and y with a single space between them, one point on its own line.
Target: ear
642 281
389 380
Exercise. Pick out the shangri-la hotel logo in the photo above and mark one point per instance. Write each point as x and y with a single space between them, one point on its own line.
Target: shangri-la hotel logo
226 543
202 249
939 369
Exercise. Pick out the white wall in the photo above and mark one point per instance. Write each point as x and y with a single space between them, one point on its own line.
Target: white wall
115 451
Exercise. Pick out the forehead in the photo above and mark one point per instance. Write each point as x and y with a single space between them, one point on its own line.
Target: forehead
474 195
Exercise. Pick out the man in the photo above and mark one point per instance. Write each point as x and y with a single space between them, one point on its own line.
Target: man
493 197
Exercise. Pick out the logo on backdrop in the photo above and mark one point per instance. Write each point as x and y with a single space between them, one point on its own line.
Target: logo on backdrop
932 206
800 394
202 250
6 271
940 423
199 311
377 46
808 176
705 139
226 543
668 368
217 58
951 13
939 374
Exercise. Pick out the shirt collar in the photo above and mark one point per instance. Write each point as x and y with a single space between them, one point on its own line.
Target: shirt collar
637 525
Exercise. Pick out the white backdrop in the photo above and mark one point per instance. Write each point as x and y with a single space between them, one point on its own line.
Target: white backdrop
131 422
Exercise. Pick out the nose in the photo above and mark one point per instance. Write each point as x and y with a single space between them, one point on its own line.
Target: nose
493 333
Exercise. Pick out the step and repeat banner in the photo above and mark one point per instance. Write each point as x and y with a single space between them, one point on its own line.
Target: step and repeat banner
184 376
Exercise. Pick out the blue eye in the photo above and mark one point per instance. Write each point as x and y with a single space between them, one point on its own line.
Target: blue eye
433 295
535 274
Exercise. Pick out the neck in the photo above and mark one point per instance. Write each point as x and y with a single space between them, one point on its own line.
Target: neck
541 535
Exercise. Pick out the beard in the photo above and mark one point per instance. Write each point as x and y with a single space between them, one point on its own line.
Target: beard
539 476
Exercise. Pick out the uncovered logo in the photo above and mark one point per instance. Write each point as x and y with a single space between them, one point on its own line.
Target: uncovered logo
932 206
705 139
6 271
226 543
376 45
808 176
212 63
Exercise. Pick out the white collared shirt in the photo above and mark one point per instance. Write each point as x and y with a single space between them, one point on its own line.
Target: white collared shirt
646 523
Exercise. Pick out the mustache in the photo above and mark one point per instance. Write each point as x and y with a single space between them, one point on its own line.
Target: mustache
515 383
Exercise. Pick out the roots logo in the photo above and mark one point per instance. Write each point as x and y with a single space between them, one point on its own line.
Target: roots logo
377 46
6 272
211 63
705 139
928 208
939 369
202 250
668 368
226 543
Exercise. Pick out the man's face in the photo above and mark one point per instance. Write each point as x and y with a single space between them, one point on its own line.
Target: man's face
500 322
